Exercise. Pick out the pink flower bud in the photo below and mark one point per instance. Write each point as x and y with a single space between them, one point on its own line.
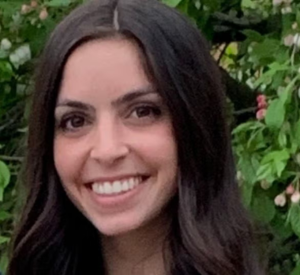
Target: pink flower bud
295 198
262 105
43 14
261 98
260 114
290 189
280 200
33 4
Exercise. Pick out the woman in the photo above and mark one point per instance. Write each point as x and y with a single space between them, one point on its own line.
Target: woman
129 167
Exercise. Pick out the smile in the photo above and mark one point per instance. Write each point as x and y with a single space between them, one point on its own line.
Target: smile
116 187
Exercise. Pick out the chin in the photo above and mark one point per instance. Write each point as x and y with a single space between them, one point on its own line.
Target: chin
116 227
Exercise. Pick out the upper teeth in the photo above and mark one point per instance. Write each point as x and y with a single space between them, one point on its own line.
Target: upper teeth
115 187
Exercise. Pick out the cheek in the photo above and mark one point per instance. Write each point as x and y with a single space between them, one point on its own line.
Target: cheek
68 159
159 149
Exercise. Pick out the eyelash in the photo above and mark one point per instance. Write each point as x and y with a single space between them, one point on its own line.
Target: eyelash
62 124
155 110
156 113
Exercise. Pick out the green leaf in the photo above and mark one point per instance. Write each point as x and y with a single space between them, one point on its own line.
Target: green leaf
294 217
277 160
263 208
256 140
3 262
285 96
279 167
58 3
264 171
266 49
253 35
275 114
281 155
4 178
213 5
248 168
172 3
296 132
4 239
183 7
247 190
251 125
4 215
248 4
282 139
281 228
296 270
6 71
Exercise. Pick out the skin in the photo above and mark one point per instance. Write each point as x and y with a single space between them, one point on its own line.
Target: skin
111 122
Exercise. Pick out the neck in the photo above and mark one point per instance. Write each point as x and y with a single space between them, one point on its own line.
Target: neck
139 252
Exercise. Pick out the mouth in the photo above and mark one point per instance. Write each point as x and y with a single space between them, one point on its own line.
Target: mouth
117 187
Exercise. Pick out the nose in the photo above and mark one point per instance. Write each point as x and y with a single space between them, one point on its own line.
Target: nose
108 144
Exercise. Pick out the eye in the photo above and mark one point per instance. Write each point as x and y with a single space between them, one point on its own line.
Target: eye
72 122
146 111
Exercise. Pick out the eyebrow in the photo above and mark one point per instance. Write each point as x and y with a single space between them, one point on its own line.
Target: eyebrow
75 104
134 94
128 97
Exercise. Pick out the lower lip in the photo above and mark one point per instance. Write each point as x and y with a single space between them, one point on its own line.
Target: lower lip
118 200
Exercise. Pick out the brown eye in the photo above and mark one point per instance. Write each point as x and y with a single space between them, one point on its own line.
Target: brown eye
143 111
75 122
146 111
72 122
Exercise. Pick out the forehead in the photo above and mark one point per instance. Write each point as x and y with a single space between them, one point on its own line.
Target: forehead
106 67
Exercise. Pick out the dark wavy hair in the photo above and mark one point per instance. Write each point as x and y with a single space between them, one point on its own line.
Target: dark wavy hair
211 233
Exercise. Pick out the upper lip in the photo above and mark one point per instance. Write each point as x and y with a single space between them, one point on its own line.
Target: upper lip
115 178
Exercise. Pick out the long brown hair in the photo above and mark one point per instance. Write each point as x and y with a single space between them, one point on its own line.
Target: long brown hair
211 234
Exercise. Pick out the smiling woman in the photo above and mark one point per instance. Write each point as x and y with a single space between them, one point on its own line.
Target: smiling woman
129 166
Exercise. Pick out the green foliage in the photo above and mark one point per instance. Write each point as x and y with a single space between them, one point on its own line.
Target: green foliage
255 41
4 179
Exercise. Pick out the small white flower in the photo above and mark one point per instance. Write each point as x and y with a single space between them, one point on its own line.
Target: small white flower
280 200
297 39
288 40
20 56
299 91
14 59
295 25
24 53
239 176
286 10
5 44
264 184
277 2
295 198
25 9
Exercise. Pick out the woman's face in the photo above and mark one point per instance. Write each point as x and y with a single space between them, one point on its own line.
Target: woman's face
114 149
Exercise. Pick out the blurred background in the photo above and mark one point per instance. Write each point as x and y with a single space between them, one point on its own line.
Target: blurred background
256 44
